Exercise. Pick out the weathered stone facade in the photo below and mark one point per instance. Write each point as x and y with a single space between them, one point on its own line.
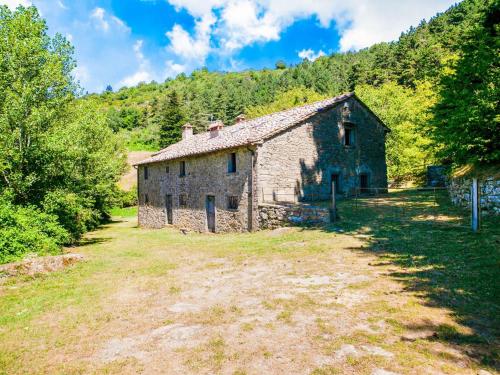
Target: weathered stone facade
299 163
292 163
204 175
273 216
460 193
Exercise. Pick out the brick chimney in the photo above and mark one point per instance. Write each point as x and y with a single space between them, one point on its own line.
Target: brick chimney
214 128
240 118
187 131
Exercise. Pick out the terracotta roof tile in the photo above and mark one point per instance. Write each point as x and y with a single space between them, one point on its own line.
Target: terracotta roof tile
243 133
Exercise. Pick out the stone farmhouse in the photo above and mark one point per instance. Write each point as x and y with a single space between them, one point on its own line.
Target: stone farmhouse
220 180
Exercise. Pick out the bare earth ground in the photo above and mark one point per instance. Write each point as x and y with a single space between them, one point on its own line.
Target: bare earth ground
288 301
129 179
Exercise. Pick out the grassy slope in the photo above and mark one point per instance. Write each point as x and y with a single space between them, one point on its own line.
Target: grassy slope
426 278
129 179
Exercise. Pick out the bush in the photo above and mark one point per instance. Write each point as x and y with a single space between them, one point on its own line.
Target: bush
73 212
25 230
127 198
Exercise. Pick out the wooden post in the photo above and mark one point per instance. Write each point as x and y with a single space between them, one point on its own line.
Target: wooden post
333 211
475 205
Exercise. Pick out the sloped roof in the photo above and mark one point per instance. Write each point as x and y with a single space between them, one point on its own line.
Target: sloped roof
243 133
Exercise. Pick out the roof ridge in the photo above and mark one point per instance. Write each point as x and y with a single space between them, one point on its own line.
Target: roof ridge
244 132
225 128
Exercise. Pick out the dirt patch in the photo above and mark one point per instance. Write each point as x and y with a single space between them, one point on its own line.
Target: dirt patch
129 179
39 265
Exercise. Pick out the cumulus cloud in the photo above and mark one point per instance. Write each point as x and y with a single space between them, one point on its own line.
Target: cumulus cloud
196 47
310 55
103 21
143 74
13 4
240 23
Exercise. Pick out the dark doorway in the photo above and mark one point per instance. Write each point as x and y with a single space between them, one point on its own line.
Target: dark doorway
210 206
168 205
335 178
363 183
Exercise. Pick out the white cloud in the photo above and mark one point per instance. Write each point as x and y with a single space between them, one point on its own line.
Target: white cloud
360 23
61 5
192 48
13 4
172 68
81 73
310 55
105 22
143 74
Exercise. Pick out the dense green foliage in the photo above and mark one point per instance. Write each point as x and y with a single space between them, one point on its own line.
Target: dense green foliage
59 159
26 229
418 60
288 99
406 112
467 121
170 119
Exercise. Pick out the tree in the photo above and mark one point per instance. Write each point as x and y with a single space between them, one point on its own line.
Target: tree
170 119
57 154
36 87
406 112
285 100
467 119
109 88
280 65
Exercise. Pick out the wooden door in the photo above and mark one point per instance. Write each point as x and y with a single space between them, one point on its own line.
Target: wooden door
210 206
363 183
168 205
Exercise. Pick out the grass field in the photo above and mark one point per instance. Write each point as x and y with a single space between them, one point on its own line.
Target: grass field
399 284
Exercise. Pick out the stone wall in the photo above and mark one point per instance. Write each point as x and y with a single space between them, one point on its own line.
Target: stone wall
273 216
205 175
460 193
298 164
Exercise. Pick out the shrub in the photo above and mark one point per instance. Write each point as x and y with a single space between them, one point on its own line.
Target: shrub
127 198
26 230
73 212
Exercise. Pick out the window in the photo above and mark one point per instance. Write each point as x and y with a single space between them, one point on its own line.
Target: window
182 169
231 163
167 169
146 173
146 199
182 200
348 135
232 202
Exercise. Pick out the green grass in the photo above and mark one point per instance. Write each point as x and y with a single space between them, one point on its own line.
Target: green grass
124 211
444 261
57 322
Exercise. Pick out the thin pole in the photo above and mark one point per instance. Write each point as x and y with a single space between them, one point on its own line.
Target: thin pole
475 206
334 204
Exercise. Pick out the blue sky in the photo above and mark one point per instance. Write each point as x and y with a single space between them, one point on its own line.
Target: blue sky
124 42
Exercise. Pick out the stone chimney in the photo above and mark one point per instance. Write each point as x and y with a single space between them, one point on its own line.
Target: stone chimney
187 131
240 118
214 128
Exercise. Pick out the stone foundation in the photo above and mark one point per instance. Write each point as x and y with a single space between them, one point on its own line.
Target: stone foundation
273 216
460 193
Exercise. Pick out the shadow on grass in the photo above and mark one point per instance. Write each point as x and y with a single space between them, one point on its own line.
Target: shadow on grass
92 241
444 261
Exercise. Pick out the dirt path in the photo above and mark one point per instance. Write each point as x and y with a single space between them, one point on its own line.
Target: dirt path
276 302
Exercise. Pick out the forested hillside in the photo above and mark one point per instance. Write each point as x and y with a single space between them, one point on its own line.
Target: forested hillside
401 81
